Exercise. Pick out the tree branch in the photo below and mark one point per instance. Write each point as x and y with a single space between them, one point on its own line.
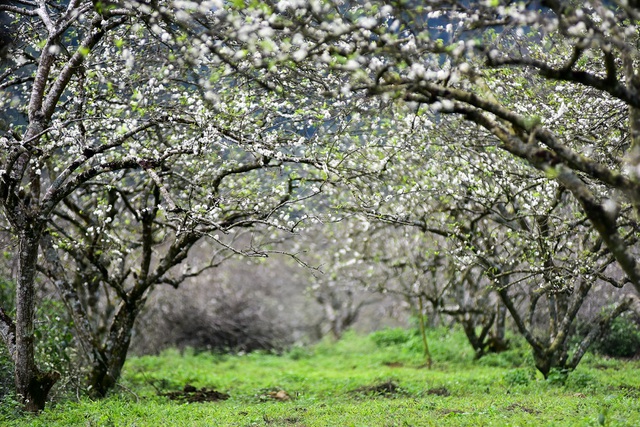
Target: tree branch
609 85
18 10
97 31
604 224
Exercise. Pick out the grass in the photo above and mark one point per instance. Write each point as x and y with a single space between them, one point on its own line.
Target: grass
377 380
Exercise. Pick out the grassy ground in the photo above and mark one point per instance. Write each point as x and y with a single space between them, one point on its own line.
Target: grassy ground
377 380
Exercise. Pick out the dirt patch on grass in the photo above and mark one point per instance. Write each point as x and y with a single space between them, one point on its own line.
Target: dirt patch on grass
629 390
439 391
192 394
385 389
604 366
286 421
273 394
393 364
518 407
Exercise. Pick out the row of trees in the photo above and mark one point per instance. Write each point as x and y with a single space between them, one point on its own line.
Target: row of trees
501 137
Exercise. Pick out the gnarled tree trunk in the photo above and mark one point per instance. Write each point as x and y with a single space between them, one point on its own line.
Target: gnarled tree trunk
106 371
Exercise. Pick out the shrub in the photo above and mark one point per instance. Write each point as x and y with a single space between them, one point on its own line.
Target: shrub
519 376
219 321
245 305
391 337
622 339
234 326
518 354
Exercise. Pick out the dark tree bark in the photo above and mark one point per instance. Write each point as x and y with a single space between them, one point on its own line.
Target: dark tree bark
105 372
32 385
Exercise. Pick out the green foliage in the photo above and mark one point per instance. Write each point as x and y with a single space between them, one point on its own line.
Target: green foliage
622 339
558 376
54 342
518 354
504 359
407 344
9 406
390 337
520 376
7 294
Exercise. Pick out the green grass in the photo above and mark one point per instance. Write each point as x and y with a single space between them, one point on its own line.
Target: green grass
329 384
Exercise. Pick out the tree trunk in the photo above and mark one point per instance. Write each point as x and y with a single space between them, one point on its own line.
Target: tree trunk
499 336
543 362
32 385
106 371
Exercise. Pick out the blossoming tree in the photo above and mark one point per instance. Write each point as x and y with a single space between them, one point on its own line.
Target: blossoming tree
130 140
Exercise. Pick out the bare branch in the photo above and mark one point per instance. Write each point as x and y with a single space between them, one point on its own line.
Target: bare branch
18 10
173 208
